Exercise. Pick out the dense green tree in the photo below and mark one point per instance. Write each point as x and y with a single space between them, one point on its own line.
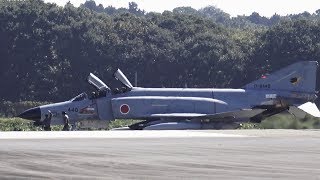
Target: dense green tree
47 51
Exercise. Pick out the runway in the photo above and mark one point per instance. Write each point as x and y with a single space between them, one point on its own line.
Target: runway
221 154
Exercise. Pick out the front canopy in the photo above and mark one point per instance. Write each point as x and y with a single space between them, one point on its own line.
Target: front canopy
97 83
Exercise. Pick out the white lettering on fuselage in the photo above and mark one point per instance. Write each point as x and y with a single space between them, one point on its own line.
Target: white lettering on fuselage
271 96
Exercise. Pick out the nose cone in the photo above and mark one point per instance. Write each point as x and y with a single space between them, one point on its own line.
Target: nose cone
31 114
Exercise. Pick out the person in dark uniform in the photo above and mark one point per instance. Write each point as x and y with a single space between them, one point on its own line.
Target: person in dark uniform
65 118
46 124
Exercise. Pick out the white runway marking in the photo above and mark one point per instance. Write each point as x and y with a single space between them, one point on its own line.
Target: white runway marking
110 134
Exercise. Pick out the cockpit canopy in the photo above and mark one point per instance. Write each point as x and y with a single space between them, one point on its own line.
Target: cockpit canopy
80 97
103 89
97 83
123 79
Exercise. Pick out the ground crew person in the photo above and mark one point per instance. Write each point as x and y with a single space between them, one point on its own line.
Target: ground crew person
46 124
65 118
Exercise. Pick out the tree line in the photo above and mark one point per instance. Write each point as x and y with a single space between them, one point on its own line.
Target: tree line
47 51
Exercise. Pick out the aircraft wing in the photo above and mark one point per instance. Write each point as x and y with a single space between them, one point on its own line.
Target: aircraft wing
239 115
302 110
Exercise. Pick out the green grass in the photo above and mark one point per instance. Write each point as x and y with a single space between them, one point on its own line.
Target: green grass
18 124
285 121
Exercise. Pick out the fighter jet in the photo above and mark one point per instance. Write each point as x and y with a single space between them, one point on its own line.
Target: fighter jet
290 89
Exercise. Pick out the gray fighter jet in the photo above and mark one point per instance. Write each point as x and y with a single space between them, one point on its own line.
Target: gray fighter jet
289 89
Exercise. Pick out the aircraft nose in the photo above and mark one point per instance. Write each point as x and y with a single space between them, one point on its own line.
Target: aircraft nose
31 114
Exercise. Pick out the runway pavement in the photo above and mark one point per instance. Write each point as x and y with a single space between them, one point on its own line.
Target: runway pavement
222 154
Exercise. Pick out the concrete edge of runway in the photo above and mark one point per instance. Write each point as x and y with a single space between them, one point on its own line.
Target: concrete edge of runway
159 134
111 134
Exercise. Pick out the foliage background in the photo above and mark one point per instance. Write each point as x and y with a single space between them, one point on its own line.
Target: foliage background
47 51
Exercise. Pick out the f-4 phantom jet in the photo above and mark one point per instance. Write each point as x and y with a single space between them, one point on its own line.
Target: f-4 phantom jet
289 89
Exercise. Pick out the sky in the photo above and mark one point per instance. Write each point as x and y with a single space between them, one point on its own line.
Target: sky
233 7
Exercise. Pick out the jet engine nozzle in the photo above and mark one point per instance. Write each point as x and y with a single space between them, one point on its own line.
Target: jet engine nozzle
31 114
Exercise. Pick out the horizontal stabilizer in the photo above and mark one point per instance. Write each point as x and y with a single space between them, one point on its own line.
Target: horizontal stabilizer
304 109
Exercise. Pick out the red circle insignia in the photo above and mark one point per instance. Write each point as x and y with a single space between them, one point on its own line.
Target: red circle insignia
124 109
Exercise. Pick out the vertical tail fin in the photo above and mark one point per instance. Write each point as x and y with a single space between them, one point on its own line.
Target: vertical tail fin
298 77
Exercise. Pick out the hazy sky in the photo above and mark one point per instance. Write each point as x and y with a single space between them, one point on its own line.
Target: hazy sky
233 7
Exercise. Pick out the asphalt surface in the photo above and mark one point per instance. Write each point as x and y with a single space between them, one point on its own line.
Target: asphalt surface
231 154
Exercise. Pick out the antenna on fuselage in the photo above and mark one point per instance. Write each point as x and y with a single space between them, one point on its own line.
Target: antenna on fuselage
136 79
